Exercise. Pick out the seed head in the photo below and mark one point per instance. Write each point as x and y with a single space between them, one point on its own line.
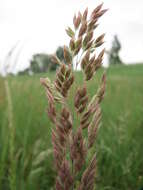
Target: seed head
85 14
83 28
67 55
77 20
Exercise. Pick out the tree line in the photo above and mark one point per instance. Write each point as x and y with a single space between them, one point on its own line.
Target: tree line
43 62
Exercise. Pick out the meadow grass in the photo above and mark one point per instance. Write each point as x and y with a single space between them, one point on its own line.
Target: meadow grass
119 143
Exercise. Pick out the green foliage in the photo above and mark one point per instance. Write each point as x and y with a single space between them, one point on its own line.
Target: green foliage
42 63
113 54
60 53
119 143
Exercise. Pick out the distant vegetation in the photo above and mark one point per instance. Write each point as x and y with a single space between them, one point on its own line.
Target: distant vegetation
42 62
113 53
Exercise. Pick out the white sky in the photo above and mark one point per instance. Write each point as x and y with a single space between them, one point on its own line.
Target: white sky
39 26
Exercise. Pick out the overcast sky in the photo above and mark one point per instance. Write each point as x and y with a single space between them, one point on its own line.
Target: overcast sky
39 26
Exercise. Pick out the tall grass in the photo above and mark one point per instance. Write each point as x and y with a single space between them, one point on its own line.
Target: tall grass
119 140
11 129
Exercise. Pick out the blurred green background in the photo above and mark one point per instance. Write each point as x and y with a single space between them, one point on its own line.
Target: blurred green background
119 144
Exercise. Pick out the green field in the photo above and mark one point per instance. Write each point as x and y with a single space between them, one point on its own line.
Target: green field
120 139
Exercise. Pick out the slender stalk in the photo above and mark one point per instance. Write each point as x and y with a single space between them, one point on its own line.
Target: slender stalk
12 169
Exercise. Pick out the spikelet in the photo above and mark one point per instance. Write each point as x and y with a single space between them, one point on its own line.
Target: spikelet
88 177
85 60
87 39
99 41
78 45
70 32
92 25
65 120
77 20
93 126
96 10
58 150
64 79
67 55
51 108
72 44
81 99
52 93
91 65
84 17
101 91
64 180
60 136
85 119
83 29
78 151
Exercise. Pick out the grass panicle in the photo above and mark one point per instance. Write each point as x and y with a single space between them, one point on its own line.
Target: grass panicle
70 144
